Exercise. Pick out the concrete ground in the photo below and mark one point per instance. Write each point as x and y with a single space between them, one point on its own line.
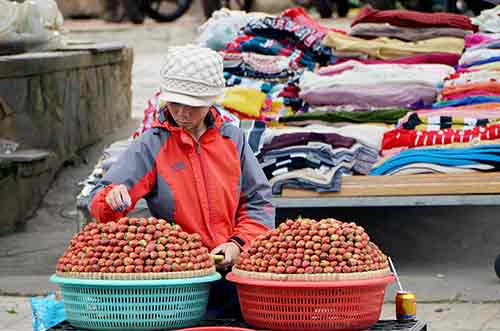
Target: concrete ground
444 255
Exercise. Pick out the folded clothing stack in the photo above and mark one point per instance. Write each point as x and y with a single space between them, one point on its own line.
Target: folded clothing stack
314 157
465 121
373 86
403 35
391 62
264 61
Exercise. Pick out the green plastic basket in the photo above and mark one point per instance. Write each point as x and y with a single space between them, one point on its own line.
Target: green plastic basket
135 304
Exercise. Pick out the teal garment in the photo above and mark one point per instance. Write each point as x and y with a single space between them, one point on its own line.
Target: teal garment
389 116
234 80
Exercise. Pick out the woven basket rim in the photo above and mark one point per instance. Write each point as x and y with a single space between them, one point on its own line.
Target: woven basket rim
333 277
137 276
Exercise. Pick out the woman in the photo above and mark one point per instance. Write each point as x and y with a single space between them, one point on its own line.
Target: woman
192 167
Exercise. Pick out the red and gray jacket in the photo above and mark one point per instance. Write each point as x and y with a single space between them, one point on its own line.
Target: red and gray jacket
214 187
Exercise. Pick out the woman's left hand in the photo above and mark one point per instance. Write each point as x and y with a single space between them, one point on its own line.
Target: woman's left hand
231 253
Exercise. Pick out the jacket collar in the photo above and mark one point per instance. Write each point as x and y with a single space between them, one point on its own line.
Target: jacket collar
213 120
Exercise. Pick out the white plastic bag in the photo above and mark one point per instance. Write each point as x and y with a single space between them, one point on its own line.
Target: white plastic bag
33 25
223 27
488 20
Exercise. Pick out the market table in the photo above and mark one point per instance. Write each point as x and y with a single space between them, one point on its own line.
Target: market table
382 325
466 189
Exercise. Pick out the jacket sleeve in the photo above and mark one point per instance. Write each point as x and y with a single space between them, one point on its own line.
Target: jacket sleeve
256 213
135 168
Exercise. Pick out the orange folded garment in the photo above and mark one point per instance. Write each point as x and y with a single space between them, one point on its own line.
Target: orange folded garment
491 87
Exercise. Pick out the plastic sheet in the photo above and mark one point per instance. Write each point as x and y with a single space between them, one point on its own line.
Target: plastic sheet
47 312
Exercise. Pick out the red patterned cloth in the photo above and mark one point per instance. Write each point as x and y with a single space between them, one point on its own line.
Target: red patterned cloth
300 16
413 19
412 138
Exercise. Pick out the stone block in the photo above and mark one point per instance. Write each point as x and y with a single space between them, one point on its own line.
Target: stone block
11 209
60 102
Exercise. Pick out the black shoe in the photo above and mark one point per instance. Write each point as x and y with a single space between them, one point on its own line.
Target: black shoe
113 17
497 266
134 10
114 12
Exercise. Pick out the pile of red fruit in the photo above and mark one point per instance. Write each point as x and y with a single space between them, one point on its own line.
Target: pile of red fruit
306 246
134 245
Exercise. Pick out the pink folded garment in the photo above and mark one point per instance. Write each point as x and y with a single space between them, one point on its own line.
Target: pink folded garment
387 153
338 68
436 58
475 39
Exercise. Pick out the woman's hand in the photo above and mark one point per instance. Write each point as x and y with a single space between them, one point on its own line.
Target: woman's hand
118 198
231 253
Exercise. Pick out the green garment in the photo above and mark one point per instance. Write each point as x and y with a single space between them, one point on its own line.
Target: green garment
389 115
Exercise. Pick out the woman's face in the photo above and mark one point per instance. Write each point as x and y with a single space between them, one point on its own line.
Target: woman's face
187 117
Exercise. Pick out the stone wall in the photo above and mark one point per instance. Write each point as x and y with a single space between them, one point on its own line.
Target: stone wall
22 186
59 102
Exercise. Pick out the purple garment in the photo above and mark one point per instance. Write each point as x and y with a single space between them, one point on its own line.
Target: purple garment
302 138
371 96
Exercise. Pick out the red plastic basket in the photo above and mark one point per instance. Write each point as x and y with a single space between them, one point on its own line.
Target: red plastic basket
311 306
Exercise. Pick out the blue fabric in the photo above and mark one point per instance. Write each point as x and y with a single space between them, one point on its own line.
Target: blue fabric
486 61
471 100
488 154
256 135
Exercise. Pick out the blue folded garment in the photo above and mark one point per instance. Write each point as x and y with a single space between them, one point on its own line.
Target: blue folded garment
487 154
480 62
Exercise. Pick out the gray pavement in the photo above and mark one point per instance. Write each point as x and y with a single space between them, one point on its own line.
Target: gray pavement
444 255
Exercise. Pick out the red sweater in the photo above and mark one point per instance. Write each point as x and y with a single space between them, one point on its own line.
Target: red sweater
413 19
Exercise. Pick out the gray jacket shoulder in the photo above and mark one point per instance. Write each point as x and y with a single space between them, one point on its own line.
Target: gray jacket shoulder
234 133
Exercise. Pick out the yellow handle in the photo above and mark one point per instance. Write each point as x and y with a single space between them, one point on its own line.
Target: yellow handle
218 258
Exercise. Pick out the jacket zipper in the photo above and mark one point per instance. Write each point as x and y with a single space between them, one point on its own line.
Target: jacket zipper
203 174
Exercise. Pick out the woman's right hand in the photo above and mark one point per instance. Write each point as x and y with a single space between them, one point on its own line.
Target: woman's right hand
118 198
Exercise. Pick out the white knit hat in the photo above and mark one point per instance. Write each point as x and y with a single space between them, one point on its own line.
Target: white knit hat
192 75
